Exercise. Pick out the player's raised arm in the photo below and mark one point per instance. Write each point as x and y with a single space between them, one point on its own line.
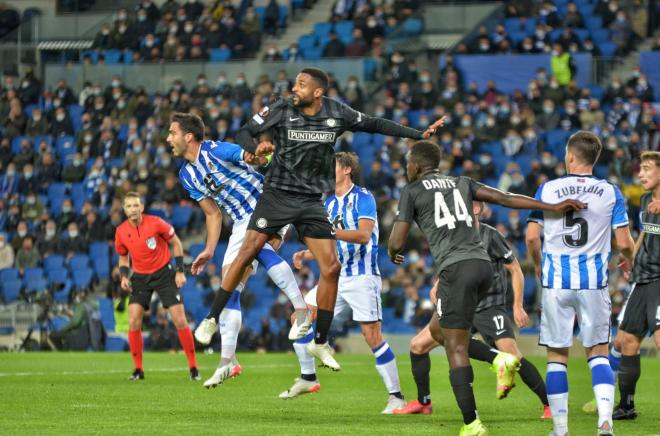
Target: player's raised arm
213 229
517 201
366 123
258 124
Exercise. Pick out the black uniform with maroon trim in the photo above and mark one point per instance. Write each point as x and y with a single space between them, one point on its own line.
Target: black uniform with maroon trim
491 319
303 165
641 313
442 208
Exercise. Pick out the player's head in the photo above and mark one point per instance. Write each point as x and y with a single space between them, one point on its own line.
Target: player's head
582 150
347 166
133 207
185 129
424 156
649 169
477 208
310 85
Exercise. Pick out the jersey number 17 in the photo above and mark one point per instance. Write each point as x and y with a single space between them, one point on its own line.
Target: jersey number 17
444 217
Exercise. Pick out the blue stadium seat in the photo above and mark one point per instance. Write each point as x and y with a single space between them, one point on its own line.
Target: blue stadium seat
344 27
517 37
102 267
58 276
582 34
284 16
512 25
99 250
39 139
323 28
597 92
128 56
65 146
56 190
115 343
36 285
75 112
112 57
55 205
306 42
195 249
79 261
556 138
181 216
16 143
593 23
92 54
160 213
369 66
312 54
600 36
220 55
82 278
607 48
53 262
107 313
8 274
31 274
412 26
11 289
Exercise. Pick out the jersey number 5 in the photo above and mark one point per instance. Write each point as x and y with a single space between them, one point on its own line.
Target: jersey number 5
444 217
570 222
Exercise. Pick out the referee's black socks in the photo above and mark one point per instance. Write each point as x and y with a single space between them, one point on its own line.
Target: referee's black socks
461 383
219 302
323 321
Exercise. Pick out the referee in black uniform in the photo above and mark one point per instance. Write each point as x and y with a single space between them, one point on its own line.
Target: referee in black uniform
304 129
641 313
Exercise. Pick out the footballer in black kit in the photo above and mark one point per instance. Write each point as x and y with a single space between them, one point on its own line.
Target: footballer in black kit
300 134
442 208
641 312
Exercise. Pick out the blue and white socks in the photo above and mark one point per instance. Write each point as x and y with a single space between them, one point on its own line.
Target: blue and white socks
386 366
602 380
229 325
307 365
556 381
280 273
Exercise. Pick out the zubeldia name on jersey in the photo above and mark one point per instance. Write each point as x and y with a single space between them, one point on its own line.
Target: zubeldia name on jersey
577 190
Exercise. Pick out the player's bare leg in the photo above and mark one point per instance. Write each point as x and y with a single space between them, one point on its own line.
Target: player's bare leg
178 315
135 314
325 253
385 364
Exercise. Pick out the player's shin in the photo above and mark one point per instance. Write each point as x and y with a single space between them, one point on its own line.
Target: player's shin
461 380
386 366
532 378
229 326
602 380
306 360
281 274
629 372
421 368
557 387
480 351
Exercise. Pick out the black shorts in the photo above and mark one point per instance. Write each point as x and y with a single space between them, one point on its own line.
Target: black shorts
277 208
161 281
641 313
493 324
460 288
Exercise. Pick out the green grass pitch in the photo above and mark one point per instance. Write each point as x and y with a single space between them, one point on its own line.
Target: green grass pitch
88 393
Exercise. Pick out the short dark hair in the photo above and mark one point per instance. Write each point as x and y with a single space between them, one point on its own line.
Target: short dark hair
320 76
426 154
349 160
190 123
653 156
586 146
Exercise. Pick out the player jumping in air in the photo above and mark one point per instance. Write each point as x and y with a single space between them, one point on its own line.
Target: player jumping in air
217 175
305 129
442 207
573 266
491 321
353 212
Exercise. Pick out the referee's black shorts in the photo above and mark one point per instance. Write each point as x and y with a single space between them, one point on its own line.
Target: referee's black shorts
277 208
641 313
161 281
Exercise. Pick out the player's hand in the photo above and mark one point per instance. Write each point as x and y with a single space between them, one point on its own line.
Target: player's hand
430 130
433 293
399 259
180 279
625 266
569 205
520 316
265 148
298 258
200 263
654 207
539 271
126 284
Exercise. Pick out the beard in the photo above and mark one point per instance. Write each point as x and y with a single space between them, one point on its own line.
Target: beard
300 102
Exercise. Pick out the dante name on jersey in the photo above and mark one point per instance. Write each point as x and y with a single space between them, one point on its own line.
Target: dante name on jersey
220 173
577 244
357 204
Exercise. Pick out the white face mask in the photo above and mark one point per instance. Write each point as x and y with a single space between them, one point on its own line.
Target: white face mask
22 233
60 117
73 233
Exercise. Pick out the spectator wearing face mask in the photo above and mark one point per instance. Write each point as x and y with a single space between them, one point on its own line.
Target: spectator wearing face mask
61 124
6 253
72 242
37 125
27 256
9 181
67 215
48 241
103 40
549 119
74 172
28 181
32 208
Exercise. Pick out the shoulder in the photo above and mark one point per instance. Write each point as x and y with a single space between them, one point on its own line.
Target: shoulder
330 199
362 192
645 199
121 228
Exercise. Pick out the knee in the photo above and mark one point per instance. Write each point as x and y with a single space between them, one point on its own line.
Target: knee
372 336
417 346
134 323
332 270
629 344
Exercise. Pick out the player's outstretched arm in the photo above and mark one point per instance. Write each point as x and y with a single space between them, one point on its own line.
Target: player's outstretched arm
516 201
369 124
397 241
213 229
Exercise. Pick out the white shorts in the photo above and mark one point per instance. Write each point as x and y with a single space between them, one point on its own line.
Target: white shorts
559 308
360 293
236 241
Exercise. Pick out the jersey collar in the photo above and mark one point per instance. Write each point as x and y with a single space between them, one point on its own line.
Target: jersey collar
341 197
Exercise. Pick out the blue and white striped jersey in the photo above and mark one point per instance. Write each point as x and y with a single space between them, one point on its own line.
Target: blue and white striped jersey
356 204
577 245
220 173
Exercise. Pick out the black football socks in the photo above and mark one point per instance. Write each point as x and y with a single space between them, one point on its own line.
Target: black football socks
421 367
